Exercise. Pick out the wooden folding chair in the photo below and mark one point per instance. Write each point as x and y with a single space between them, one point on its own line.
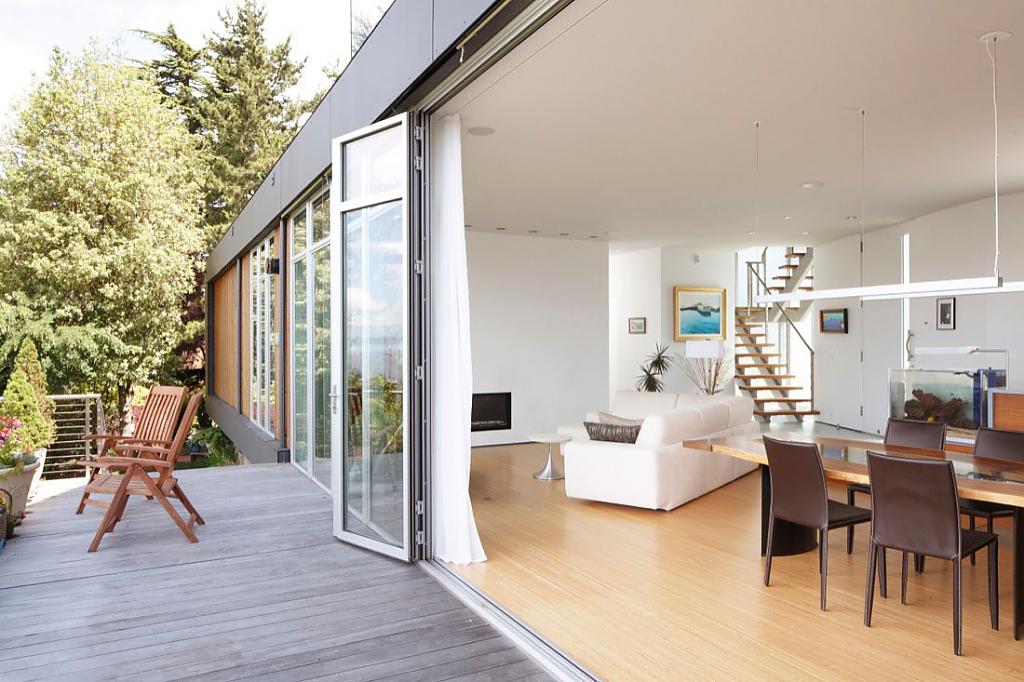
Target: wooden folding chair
156 425
136 479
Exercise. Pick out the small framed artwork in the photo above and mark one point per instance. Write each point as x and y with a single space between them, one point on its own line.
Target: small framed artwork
834 321
700 313
945 313
638 325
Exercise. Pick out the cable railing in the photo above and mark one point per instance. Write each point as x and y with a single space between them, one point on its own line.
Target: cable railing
75 417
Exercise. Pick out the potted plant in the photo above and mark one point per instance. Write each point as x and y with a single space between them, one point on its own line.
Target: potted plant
23 433
17 466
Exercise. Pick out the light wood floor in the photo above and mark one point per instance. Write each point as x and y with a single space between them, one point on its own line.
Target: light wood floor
267 593
636 594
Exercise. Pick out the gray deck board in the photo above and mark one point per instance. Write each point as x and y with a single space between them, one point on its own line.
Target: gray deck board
267 593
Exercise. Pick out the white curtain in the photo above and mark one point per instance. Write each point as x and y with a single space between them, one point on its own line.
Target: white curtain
455 536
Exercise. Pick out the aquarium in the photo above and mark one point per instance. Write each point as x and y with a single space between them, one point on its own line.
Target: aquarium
957 397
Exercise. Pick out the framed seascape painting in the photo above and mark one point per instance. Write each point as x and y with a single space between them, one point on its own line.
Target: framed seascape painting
638 325
700 313
833 321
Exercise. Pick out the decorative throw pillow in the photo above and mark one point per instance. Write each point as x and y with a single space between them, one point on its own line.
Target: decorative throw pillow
613 433
609 418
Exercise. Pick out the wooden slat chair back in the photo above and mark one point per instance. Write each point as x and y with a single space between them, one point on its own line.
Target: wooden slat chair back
136 478
155 426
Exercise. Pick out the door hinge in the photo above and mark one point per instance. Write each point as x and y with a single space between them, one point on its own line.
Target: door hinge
418 163
420 538
862 356
418 373
862 410
418 266
419 507
417 132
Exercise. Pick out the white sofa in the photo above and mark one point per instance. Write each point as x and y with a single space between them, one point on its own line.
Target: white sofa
657 472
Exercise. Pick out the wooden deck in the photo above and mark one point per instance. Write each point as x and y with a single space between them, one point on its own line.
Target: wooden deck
266 593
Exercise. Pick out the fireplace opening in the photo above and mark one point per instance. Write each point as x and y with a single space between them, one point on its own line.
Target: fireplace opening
491 412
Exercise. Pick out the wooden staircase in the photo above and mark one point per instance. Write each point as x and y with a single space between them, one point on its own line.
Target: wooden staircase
761 370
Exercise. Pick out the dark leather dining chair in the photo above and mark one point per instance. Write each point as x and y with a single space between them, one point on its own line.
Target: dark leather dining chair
907 433
915 508
799 496
993 444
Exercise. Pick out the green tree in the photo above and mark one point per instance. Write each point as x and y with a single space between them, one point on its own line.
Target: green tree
20 401
180 74
247 114
99 225
27 361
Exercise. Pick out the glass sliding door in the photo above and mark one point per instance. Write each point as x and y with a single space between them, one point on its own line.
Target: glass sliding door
311 338
370 248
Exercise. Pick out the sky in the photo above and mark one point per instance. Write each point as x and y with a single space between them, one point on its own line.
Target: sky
30 29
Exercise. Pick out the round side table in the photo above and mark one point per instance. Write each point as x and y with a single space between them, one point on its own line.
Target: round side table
550 472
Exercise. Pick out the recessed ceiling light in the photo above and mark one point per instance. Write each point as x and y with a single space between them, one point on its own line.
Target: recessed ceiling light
468 226
750 233
500 229
563 234
851 218
594 236
533 231
805 233
812 184
480 131
787 217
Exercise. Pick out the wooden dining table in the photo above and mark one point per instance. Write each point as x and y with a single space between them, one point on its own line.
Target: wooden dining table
988 480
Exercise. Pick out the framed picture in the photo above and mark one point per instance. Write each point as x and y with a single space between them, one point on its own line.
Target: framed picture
638 325
700 313
945 313
833 321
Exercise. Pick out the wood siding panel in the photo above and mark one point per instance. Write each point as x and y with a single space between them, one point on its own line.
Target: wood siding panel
1008 411
225 337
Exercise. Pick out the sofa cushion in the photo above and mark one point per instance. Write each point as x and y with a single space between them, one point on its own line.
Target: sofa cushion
608 418
670 427
612 433
639 404
740 407
714 416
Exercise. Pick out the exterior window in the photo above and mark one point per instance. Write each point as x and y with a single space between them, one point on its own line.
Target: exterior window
311 337
263 336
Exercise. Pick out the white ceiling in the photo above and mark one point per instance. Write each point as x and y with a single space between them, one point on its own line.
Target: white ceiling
633 120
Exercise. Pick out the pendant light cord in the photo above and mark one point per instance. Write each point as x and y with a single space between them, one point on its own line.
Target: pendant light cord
990 48
863 185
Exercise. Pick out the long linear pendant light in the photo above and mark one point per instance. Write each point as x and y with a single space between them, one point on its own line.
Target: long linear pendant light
948 287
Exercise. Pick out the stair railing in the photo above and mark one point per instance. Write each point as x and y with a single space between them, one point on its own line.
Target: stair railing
790 326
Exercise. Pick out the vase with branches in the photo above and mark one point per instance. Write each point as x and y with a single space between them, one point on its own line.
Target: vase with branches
709 375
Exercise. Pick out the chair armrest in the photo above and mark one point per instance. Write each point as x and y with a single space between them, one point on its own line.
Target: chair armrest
142 441
128 461
102 436
154 449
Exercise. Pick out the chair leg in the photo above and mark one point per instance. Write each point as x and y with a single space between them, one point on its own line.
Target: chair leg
849 529
993 581
122 490
883 583
180 494
869 590
903 579
823 565
768 551
970 522
162 499
958 612
821 548
919 563
85 495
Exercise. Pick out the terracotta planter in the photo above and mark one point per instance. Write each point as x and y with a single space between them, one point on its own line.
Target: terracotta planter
18 485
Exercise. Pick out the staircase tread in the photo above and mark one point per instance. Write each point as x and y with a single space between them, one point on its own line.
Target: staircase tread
756 355
769 388
786 413
789 266
754 345
748 377
791 277
758 365
781 400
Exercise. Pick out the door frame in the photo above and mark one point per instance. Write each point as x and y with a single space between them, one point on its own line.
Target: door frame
339 368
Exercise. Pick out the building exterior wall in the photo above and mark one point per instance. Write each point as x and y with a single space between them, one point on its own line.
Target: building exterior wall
225 336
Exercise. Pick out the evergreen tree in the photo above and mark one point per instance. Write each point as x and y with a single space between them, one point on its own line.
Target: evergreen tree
180 74
247 114
99 225
27 361
20 401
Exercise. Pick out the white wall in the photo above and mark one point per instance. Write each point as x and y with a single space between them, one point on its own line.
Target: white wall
641 284
954 243
634 285
539 321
